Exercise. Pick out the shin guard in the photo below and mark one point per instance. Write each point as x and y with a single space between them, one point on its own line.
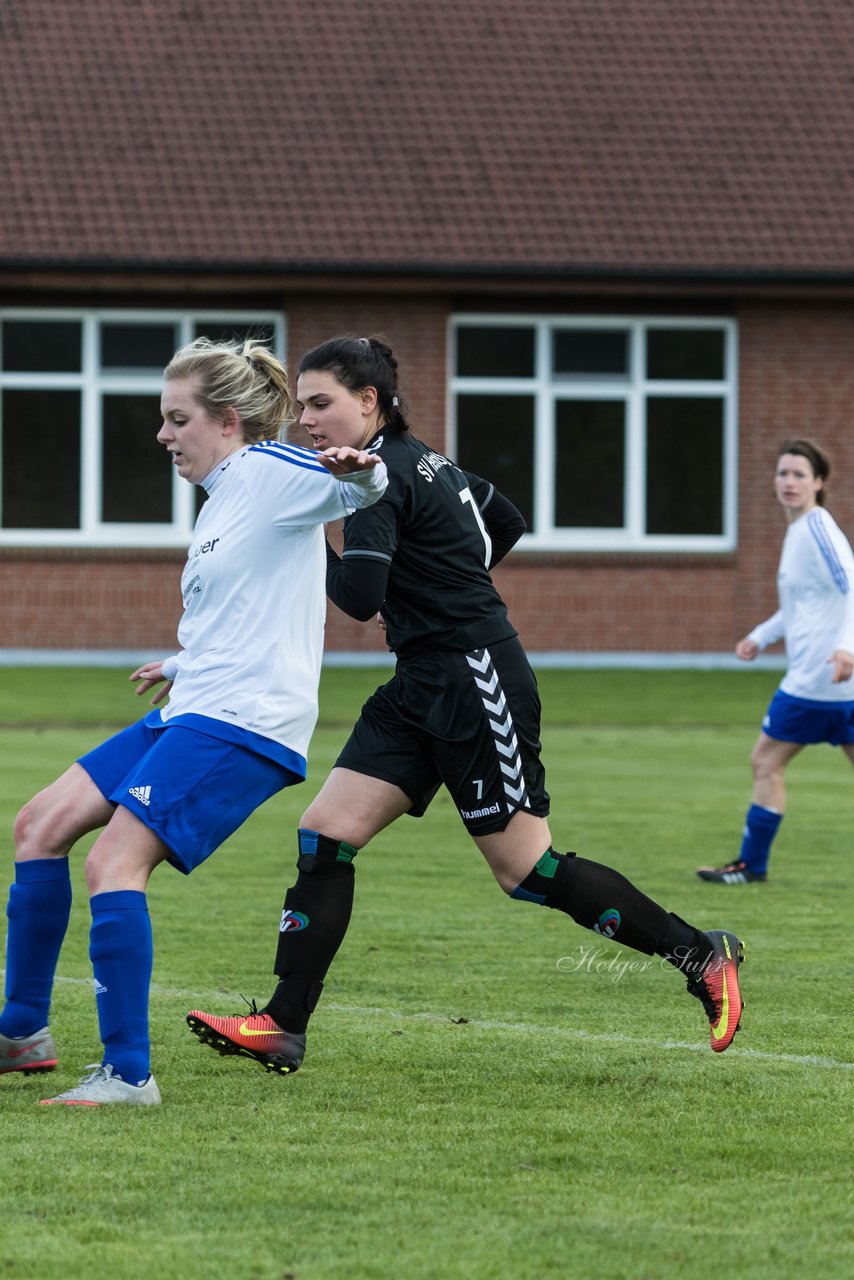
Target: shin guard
315 917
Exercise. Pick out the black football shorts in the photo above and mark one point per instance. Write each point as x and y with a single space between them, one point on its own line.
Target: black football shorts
468 720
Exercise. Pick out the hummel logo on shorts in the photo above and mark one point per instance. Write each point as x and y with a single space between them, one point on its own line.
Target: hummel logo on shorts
142 794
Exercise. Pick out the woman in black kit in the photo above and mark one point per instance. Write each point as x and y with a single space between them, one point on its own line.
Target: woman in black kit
462 708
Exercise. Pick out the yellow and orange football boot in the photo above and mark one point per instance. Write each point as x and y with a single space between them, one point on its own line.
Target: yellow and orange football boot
254 1036
717 988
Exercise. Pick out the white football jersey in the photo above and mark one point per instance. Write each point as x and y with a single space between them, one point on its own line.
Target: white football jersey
815 585
254 590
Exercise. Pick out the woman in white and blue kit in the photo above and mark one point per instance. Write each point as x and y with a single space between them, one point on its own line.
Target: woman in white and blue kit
242 708
815 700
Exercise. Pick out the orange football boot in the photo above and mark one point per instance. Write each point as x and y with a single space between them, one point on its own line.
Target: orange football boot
717 988
254 1036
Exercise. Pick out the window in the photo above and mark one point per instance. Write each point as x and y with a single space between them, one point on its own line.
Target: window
79 414
607 433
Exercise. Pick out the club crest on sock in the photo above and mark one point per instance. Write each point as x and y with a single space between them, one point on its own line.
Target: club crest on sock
608 923
292 921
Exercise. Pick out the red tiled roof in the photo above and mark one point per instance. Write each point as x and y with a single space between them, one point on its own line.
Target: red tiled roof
522 135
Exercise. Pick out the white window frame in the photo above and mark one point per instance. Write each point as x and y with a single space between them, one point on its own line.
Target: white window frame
633 389
92 382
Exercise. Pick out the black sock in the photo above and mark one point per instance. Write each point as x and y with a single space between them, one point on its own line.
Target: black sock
685 947
314 921
599 898
293 1002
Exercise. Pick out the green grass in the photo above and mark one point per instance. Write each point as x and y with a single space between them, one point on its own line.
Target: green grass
81 696
484 1097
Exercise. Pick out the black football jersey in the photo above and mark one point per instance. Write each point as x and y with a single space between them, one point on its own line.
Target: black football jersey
430 528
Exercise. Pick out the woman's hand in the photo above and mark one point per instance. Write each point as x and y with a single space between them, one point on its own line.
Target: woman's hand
746 649
843 667
150 674
341 460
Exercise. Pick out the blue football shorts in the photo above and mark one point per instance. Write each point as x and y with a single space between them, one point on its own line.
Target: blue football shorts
808 720
193 791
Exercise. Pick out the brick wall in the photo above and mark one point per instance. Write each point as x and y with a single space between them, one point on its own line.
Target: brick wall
88 600
796 377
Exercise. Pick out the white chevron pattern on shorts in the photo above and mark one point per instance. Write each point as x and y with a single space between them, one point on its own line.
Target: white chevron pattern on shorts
503 730
488 686
506 742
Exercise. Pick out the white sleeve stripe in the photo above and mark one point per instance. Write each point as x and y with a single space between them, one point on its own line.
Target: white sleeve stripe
828 551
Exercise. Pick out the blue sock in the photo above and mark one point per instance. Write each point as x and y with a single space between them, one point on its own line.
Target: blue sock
38 911
120 948
760 828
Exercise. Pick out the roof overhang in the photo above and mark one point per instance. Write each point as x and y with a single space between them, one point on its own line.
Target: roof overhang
115 276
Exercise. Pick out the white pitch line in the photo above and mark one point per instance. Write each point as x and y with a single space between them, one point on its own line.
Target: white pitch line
573 1033
528 1028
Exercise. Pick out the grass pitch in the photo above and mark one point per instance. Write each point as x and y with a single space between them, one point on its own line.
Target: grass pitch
490 1092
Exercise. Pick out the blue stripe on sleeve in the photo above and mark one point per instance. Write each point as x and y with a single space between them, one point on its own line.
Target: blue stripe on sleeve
828 551
297 457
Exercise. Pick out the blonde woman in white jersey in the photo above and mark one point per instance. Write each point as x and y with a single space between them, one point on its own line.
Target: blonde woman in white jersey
815 700
242 707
